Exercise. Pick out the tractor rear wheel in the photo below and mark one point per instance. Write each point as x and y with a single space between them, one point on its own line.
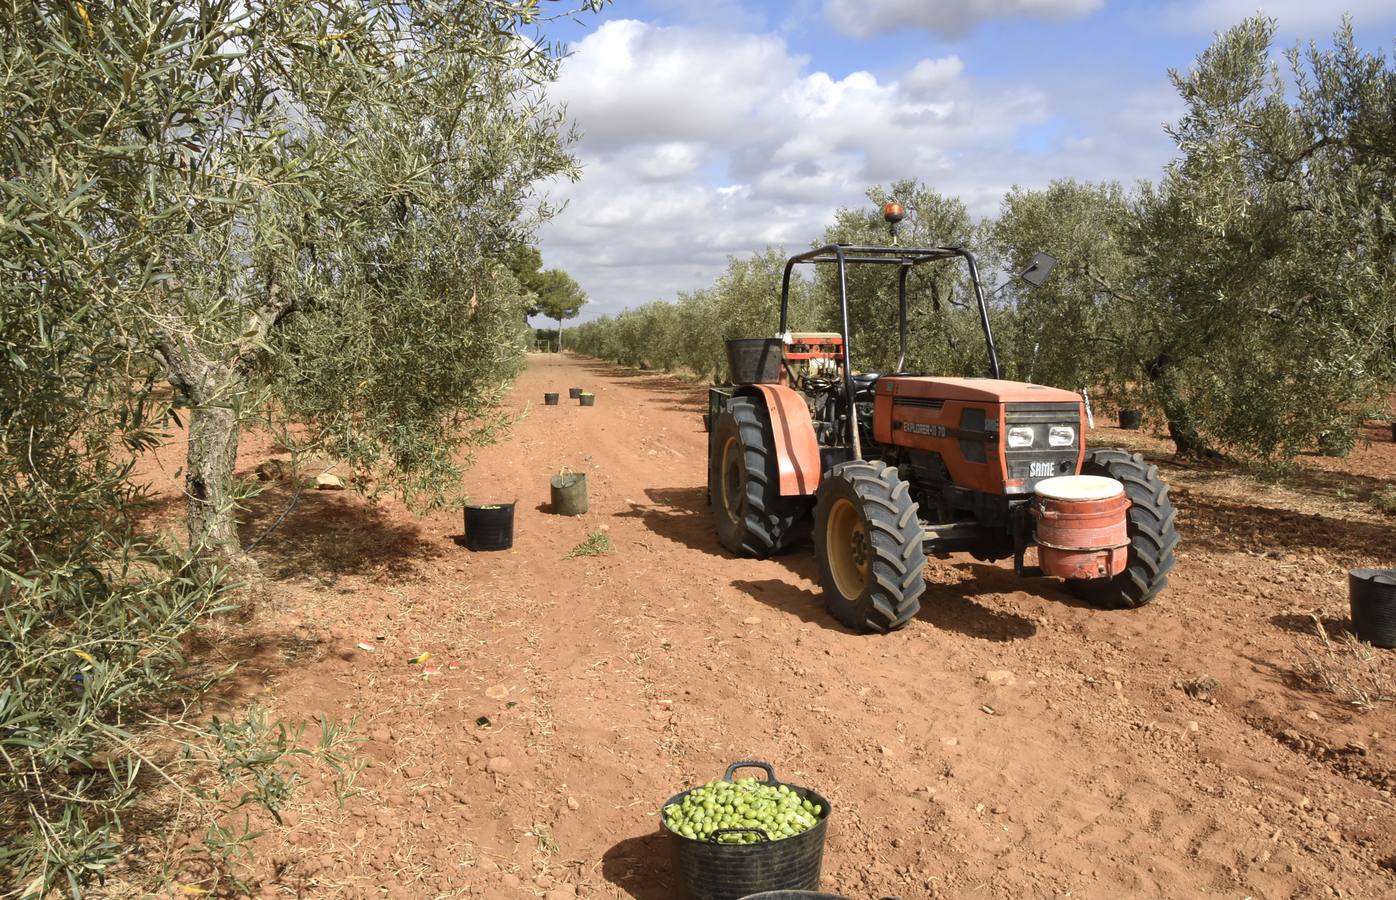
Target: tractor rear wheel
868 538
1153 535
749 514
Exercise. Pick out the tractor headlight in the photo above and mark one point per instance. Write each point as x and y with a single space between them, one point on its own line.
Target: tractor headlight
1019 436
1061 436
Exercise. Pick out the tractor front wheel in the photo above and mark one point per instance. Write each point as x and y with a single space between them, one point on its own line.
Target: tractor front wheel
1153 536
868 538
749 514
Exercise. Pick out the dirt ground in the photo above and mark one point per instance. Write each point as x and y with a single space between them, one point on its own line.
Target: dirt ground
1009 742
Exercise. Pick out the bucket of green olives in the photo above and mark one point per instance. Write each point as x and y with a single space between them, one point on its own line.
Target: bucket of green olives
740 836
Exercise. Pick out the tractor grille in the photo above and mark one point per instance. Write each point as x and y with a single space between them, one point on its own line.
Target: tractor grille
1041 460
920 402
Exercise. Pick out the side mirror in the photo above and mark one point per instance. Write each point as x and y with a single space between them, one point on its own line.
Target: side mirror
1042 265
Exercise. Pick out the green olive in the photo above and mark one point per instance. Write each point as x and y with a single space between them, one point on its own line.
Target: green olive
775 810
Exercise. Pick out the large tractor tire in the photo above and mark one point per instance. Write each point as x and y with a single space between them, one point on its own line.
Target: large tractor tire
749 514
1153 535
868 538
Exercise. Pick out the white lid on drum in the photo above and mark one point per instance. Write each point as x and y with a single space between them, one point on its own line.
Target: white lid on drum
1079 487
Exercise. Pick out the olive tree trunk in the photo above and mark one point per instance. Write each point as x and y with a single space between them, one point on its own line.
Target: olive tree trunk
211 460
214 386
1182 427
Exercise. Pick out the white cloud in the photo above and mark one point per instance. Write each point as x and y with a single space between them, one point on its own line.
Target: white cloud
931 76
1314 19
670 161
701 144
948 18
629 81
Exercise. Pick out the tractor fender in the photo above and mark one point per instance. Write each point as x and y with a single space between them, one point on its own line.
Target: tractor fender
796 447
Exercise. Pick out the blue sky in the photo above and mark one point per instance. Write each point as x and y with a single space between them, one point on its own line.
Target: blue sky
717 127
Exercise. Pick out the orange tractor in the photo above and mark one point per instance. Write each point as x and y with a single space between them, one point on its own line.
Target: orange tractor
889 468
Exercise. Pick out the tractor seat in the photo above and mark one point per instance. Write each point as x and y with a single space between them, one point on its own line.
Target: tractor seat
864 385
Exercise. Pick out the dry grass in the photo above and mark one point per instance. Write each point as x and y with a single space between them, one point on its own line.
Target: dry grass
1349 669
596 544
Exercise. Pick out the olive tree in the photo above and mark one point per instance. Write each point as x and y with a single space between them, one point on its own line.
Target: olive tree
1095 323
93 613
321 195
270 205
1067 331
1249 294
1269 248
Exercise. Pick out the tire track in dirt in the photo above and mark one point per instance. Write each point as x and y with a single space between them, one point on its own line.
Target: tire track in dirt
1008 742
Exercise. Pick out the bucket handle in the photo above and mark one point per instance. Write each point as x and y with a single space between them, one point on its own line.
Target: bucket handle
759 832
752 764
466 504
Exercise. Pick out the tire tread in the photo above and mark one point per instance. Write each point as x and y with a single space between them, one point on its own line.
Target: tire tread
771 522
896 582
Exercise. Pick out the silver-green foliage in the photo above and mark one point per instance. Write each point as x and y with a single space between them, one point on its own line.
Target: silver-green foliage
1272 239
1071 330
316 198
1250 296
92 614
272 205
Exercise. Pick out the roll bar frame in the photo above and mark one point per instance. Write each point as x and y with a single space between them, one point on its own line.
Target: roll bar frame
905 258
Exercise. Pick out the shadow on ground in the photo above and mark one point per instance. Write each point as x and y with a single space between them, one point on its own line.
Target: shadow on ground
1221 524
640 867
789 597
329 534
647 379
957 607
1302 624
681 514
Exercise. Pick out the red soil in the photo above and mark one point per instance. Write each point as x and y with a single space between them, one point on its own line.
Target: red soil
1009 742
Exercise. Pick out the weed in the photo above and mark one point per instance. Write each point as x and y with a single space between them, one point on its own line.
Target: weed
596 544
1348 669
545 840
1200 687
1384 499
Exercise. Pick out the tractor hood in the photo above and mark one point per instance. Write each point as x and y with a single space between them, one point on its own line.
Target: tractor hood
983 390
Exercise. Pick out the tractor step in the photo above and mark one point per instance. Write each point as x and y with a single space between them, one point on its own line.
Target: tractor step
952 537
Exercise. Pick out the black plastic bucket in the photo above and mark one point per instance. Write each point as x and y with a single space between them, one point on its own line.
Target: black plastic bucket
754 360
707 870
574 393
707 422
1131 418
569 493
550 399
489 526
587 399
1372 598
